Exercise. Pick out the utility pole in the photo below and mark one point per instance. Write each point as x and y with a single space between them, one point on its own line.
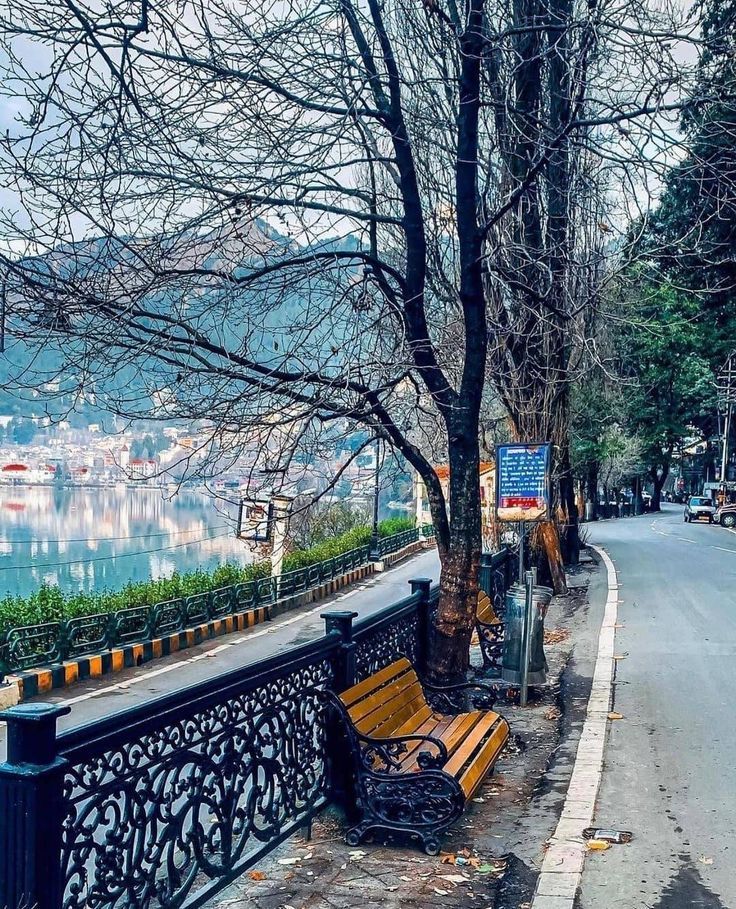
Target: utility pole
374 554
727 390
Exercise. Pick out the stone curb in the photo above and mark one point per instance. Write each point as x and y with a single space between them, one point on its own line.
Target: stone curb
562 867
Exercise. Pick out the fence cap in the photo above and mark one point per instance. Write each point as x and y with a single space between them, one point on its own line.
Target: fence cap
34 713
339 614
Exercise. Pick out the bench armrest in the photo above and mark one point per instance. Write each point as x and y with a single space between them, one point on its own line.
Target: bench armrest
391 749
445 691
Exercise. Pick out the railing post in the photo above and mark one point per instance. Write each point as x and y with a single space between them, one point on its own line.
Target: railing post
422 586
31 808
342 620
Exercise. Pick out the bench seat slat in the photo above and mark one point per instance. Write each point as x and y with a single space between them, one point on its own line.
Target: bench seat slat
398 717
385 699
484 759
354 694
485 613
468 747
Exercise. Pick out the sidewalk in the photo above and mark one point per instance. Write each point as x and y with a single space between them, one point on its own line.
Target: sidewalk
493 854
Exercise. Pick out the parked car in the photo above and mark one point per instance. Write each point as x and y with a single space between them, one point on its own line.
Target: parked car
699 507
726 516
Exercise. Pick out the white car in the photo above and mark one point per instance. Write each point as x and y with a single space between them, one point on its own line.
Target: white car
699 507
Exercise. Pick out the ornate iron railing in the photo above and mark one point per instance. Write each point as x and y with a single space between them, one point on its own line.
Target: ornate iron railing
32 646
164 804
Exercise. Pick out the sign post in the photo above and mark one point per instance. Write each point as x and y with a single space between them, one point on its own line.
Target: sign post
523 495
526 647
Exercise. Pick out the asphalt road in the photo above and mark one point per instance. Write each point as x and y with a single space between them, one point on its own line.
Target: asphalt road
96 698
670 768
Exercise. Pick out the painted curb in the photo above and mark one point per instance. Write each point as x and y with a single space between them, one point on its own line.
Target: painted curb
33 682
9 694
562 867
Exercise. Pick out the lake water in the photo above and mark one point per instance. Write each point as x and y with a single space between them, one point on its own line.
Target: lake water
92 539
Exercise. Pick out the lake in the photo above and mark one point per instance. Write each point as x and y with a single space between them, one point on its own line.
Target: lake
92 539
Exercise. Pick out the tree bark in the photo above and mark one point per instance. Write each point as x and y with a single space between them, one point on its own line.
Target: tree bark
550 540
449 644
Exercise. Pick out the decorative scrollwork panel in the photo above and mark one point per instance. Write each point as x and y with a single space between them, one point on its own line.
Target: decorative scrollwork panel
162 819
385 645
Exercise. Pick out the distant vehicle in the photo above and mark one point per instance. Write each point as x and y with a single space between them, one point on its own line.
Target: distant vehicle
726 516
699 507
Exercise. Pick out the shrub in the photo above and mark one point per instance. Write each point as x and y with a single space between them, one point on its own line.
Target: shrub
50 604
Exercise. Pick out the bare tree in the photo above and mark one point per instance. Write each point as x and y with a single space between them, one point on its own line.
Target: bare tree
298 217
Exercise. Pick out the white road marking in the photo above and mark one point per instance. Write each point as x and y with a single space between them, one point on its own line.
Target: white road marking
562 867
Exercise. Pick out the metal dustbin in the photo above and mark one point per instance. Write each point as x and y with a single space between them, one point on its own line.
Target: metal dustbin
513 636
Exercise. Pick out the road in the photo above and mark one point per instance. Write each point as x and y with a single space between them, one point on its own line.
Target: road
92 699
670 772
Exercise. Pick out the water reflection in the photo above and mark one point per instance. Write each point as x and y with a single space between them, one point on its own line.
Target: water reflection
90 539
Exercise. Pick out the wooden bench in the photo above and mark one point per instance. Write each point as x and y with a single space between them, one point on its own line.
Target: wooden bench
413 768
490 632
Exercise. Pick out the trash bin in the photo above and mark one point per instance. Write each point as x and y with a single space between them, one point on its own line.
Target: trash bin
513 637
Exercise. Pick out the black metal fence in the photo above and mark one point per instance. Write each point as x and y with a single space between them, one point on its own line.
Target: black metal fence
496 575
32 646
162 805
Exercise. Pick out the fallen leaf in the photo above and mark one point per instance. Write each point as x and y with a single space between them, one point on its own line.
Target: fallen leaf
598 845
556 635
553 713
257 875
454 878
615 716
441 892
447 858
290 861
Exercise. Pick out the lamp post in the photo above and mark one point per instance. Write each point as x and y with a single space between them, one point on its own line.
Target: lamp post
374 554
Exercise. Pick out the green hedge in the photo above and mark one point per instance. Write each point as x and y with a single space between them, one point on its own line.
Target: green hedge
50 604
353 539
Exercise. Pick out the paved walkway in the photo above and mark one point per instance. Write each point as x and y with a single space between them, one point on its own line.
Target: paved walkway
91 699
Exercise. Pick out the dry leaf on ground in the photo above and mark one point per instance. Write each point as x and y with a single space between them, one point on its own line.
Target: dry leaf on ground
615 716
556 635
553 713
257 875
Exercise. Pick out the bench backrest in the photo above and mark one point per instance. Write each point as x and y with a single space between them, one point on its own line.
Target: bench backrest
382 703
485 613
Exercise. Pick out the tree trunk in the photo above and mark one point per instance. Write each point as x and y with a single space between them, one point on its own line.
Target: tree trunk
658 481
551 542
591 492
570 536
451 630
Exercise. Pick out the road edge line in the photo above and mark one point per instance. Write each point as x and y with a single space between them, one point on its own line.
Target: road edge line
562 867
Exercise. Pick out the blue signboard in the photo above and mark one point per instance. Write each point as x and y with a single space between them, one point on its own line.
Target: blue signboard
522 484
